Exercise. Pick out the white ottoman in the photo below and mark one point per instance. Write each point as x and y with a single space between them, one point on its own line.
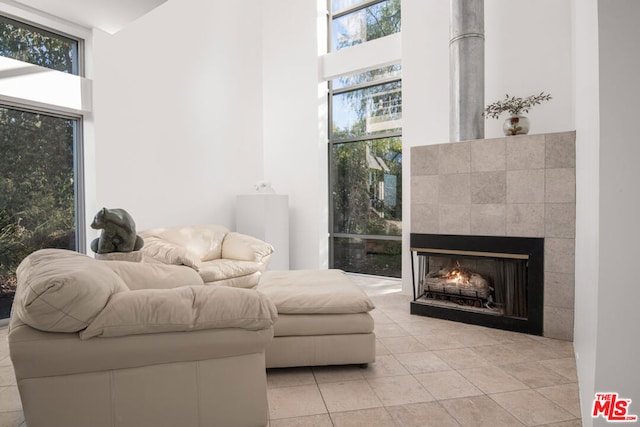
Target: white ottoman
323 319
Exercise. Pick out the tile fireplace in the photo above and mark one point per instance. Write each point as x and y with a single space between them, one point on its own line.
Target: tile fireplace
513 187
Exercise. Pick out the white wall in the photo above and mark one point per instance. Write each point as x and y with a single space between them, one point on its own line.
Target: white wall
528 50
178 112
606 317
295 157
587 118
618 349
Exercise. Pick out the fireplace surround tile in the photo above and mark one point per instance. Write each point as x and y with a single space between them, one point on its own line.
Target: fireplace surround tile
526 186
454 189
424 189
488 219
525 152
558 323
559 289
560 220
560 150
526 219
488 155
424 161
560 185
454 158
489 187
425 218
559 255
455 219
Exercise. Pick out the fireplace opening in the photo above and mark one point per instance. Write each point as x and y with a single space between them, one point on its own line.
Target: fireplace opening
491 281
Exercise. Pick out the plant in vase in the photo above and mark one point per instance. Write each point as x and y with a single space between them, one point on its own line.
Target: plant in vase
516 124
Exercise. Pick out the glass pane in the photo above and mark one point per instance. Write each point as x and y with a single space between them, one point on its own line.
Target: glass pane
368 256
367 77
367 187
36 46
37 188
379 20
367 111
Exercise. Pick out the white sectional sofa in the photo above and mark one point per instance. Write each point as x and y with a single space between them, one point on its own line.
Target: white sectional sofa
220 256
117 343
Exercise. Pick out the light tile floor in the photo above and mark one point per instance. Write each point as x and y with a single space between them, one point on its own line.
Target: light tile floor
428 372
431 372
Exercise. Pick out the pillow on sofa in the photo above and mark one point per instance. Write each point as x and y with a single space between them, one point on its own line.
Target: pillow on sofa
62 291
187 308
169 253
203 242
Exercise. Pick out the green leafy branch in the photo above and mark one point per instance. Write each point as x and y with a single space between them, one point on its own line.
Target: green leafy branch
514 105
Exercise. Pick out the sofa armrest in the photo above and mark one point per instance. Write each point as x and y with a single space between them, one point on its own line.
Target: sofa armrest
187 308
243 247
169 253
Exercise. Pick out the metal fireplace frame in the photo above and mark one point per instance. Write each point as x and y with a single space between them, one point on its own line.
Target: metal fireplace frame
529 248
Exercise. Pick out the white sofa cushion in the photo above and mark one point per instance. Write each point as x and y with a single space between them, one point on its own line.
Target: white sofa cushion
203 241
221 269
63 291
186 308
314 292
143 275
169 253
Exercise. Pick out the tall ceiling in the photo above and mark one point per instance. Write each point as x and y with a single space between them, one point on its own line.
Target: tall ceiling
107 15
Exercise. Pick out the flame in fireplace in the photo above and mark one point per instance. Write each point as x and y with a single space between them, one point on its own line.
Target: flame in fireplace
457 275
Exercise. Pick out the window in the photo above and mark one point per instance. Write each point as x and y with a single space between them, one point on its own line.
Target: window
366 172
41 202
356 21
365 146
36 46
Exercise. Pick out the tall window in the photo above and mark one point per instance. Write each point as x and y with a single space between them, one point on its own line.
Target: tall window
365 147
40 167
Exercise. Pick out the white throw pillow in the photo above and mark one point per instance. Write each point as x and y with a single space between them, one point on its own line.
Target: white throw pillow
63 291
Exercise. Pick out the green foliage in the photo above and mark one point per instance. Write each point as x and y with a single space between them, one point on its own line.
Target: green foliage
36 187
514 105
357 208
35 46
